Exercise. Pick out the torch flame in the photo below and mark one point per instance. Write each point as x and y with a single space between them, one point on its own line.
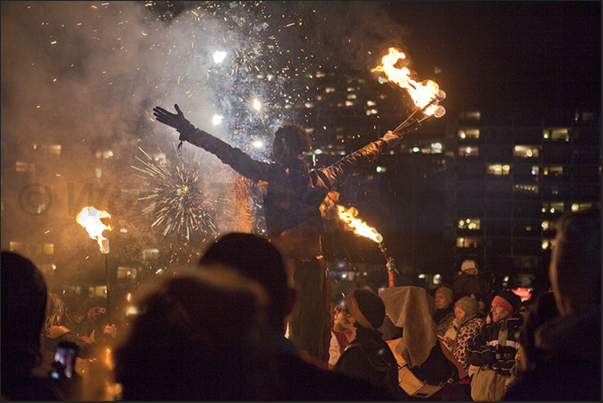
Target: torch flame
359 227
421 93
90 219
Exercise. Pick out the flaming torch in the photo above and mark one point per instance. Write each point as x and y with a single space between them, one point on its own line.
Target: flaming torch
90 219
425 95
362 229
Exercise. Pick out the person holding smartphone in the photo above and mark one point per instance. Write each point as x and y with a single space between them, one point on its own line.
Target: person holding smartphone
24 297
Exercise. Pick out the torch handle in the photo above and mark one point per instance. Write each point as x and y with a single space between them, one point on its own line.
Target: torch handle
108 291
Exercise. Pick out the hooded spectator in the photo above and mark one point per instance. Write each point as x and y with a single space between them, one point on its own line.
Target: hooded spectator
368 356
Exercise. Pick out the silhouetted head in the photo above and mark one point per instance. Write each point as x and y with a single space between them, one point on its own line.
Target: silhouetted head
256 258
197 336
24 296
575 268
290 141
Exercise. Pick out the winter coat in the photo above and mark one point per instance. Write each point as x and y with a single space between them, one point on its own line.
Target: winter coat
466 284
483 349
301 379
569 367
369 357
443 319
467 331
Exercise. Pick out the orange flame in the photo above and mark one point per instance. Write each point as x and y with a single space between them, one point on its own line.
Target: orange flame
90 219
421 93
359 227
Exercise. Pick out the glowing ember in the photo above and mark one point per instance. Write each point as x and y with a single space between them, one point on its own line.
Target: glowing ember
422 93
90 219
358 226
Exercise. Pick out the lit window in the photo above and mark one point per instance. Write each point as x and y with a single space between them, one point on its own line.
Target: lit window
381 169
53 149
320 74
535 170
468 151
468 133
15 246
474 115
349 103
581 206
24 167
546 134
104 154
309 105
371 112
370 103
149 254
99 173
526 151
520 188
560 134
469 223
556 207
468 242
553 171
498 169
351 96
437 279
329 89
126 272
48 249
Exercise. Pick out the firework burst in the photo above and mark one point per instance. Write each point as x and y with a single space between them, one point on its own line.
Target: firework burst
176 199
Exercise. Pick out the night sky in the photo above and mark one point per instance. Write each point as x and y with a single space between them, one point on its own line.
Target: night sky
87 74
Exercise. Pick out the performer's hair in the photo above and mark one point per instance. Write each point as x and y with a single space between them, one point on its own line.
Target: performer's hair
296 137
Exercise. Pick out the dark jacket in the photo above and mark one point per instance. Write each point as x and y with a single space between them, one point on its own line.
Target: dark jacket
294 192
369 357
466 284
483 349
569 366
300 379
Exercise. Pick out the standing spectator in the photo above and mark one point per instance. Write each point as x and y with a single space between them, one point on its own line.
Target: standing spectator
444 313
24 297
298 377
468 283
293 194
367 356
197 336
496 345
565 358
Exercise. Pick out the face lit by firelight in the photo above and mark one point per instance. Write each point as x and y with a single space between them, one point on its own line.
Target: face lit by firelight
440 301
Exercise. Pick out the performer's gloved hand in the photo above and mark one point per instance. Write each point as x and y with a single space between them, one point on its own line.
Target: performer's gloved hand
391 139
175 120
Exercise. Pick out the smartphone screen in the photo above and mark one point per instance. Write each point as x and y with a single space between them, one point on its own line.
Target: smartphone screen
65 355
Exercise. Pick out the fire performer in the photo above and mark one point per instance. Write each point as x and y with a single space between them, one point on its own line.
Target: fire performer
293 194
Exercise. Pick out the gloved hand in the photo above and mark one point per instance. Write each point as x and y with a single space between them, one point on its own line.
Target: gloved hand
391 139
175 120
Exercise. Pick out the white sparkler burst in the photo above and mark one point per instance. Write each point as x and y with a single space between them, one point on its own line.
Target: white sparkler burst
176 199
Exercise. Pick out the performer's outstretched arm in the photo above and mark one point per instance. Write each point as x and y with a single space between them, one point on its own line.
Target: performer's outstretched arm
237 159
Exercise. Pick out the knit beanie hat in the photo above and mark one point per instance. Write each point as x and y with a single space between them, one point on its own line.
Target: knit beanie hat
367 307
468 264
446 292
508 300
469 305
